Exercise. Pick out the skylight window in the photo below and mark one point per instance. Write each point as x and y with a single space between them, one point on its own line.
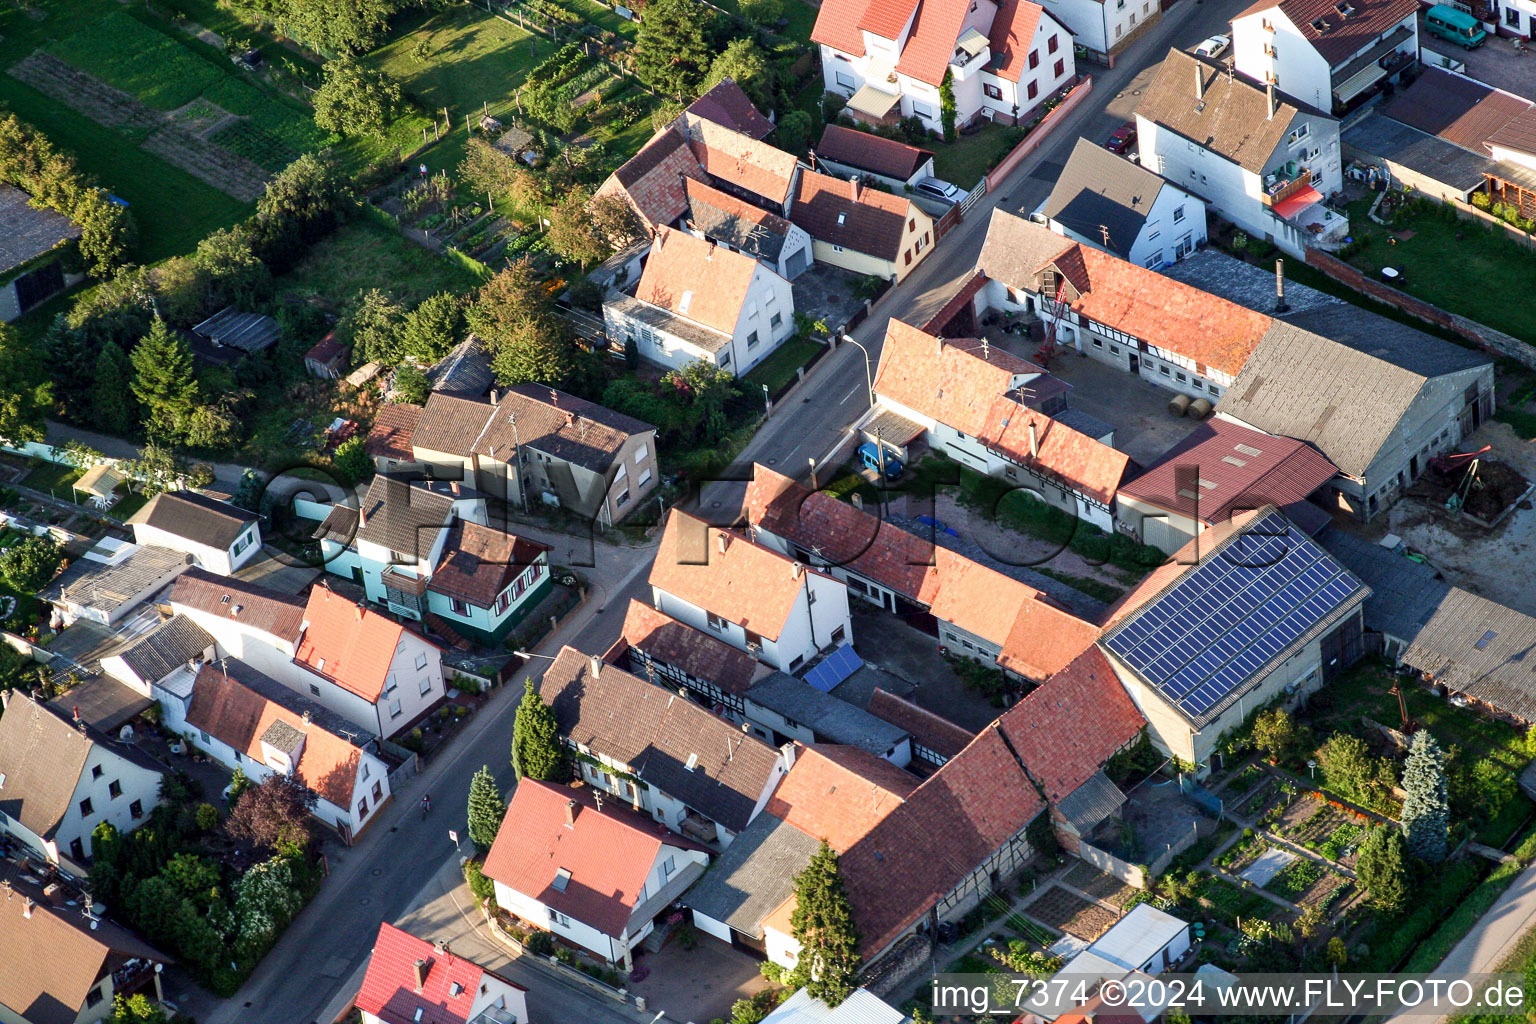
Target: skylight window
562 879
1487 637
841 218
693 762
685 302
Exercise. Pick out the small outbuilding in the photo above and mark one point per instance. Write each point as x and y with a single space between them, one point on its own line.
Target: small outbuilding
99 484
327 358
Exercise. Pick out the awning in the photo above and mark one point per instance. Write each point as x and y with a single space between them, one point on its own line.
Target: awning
1359 82
1297 201
872 102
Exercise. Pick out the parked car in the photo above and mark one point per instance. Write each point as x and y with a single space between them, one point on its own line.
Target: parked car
943 191
1214 46
870 457
1123 139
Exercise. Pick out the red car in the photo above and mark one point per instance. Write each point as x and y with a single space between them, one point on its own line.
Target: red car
1123 139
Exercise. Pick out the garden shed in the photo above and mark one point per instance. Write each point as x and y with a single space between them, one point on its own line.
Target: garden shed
100 484
30 240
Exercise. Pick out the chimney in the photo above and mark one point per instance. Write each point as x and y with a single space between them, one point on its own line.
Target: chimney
1034 440
856 189
454 487
5 699
597 799
713 245
422 967
495 396
570 813
362 519
308 718
75 709
723 539
788 750
1199 81
797 571
1281 306
596 665
1269 92
359 607
570 418
26 906
235 610
938 345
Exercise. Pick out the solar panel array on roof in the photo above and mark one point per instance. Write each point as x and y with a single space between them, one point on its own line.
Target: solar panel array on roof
834 668
1223 622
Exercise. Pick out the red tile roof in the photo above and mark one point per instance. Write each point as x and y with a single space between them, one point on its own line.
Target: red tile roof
871 153
1237 469
1343 37
1013 31
854 216
741 160
652 179
479 562
886 18
931 43
696 279
928 728
236 714
327 350
1044 639
747 584
347 643
837 25
946 829
687 649
390 435
1066 729
1085 463
1214 332
727 105
1460 110
953 380
389 988
838 793
609 853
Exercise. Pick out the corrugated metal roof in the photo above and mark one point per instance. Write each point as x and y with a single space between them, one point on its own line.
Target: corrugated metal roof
1091 803
1138 936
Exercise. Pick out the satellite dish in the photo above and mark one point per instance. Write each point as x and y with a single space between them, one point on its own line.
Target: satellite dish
125 733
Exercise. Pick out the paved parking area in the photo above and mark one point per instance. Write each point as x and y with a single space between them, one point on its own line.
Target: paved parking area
888 643
697 984
1144 428
826 293
1494 63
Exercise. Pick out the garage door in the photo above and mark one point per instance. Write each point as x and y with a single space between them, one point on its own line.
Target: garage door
798 261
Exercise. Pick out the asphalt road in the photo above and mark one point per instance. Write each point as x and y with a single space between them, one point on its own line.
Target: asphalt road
323 953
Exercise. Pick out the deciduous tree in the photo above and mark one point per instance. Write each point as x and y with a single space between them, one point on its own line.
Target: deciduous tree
430 330
1426 816
513 294
26 395
1382 867
793 134
1274 732
822 923
487 170
352 459
536 749
572 233
356 100
273 814
28 565
744 61
374 324
107 233
411 384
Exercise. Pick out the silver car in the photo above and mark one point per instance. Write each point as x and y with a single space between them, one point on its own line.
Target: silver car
943 191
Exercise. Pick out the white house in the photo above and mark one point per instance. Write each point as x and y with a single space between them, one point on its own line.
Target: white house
409 978
1106 201
1332 56
554 867
111 580
752 597
700 301
367 668
693 771
219 536
1105 27
1261 158
251 623
60 779
862 229
893 60
170 645
244 719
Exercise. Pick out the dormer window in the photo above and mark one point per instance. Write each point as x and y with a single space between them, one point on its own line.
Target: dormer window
1321 25
1344 9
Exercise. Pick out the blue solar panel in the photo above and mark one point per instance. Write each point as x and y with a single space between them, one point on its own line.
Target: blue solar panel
834 668
1228 617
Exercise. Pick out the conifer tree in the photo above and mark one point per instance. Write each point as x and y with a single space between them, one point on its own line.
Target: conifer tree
822 922
1426 808
486 808
536 752
164 379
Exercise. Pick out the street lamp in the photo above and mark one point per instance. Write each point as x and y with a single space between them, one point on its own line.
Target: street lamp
530 654
869 379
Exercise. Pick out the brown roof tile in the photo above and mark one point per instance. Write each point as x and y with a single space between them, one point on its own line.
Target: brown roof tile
871 153
1066 729
1341 37
656 732
697 279
1013 31
928 728
838 793
953 380
853 216
1044 639
390 435
727 105
479 562
1461 111
689 650
255 607
1084 463
725 573
652 180
41 757
741 160
557 424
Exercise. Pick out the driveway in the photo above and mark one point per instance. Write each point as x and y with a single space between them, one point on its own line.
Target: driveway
1494 63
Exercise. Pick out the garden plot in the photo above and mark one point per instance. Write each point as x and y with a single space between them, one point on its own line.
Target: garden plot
233 175
1095 883
1071 913
1268 864
87 94
1243 853
1323 829
1307 883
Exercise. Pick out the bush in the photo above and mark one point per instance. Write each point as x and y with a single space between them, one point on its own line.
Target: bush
541 943
482 887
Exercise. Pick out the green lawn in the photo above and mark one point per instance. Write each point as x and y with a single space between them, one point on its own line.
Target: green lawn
602 16
54 478
475 58
1458 265
966 161
778 371
364 254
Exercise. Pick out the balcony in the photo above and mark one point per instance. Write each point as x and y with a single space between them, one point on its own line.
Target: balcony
493 1015
1283 183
